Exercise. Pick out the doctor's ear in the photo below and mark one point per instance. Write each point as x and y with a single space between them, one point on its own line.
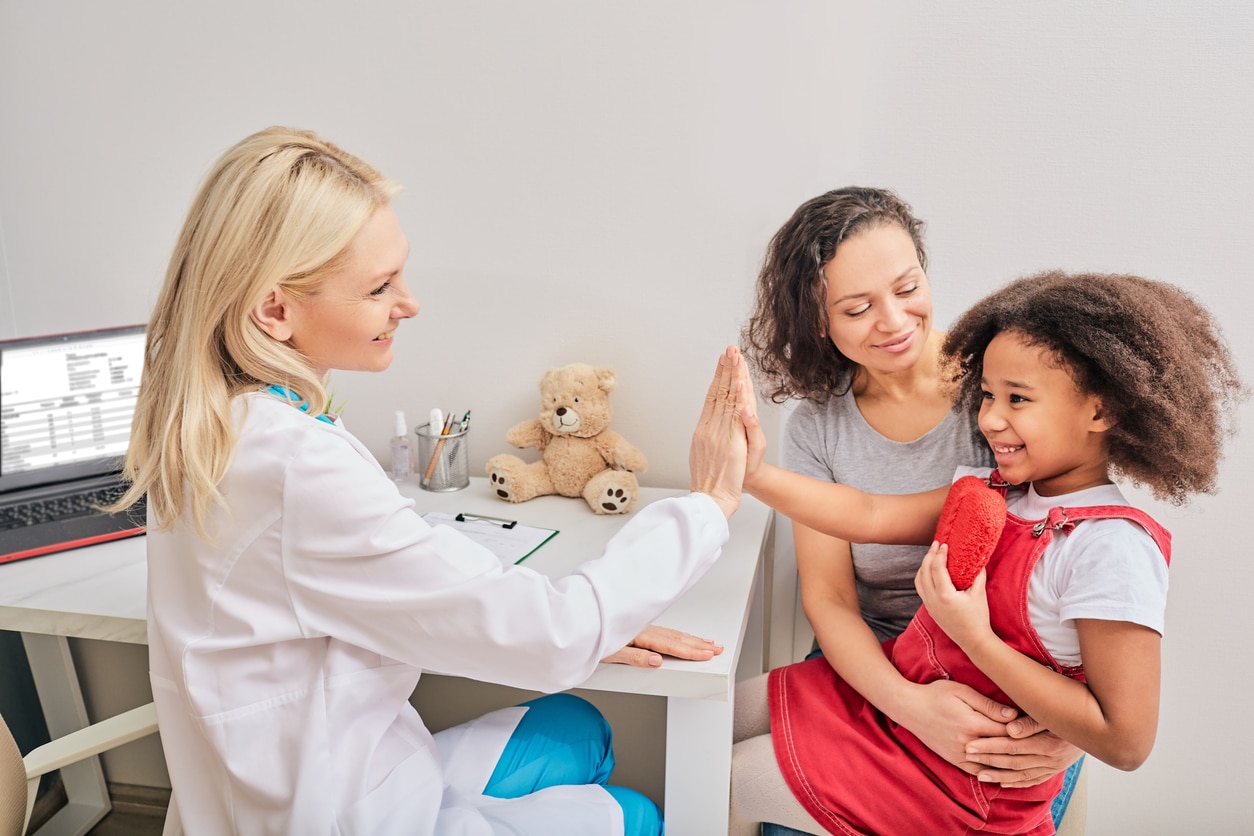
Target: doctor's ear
273 314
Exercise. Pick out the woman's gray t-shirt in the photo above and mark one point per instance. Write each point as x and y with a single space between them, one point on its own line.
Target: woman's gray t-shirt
833 442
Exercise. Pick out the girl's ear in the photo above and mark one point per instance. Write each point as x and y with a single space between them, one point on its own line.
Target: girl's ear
273 314
1102 420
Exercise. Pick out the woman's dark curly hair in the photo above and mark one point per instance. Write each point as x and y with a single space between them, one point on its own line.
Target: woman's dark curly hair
1152 354
785 338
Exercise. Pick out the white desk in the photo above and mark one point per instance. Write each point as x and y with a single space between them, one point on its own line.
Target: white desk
99 593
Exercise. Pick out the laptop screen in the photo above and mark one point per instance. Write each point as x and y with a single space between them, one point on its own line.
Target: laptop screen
66 404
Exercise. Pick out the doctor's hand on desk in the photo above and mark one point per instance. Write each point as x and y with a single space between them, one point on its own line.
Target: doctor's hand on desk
647 649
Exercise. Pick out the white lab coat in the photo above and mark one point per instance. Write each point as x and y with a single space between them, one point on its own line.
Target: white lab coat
283 654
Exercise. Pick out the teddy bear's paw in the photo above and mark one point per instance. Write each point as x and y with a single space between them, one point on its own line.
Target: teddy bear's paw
501 485
615 500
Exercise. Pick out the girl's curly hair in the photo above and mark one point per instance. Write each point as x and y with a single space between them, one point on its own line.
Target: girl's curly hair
1153 355
785 337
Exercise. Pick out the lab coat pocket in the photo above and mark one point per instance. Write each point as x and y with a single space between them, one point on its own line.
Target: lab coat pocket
407 801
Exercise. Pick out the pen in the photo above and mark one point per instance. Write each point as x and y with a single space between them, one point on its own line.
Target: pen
439 445
501 521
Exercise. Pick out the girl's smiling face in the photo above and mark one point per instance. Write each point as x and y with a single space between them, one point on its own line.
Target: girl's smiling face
1040 426
350 322
878 304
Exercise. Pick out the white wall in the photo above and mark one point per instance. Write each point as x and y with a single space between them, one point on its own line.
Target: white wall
594 181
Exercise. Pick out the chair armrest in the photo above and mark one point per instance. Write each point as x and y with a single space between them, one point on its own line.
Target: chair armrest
96 738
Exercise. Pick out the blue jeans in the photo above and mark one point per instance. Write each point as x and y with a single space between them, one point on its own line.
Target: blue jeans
1056 808
564 740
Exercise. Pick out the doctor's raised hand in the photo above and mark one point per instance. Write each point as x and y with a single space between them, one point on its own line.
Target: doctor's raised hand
716 459
716 463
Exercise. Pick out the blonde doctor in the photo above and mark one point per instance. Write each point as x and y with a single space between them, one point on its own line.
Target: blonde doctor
295 597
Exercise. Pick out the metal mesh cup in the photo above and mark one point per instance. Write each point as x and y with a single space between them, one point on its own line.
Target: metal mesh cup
443 460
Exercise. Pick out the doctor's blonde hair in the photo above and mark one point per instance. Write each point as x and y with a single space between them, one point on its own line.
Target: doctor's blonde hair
280 208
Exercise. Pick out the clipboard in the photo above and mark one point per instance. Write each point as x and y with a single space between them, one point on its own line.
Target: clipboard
509 540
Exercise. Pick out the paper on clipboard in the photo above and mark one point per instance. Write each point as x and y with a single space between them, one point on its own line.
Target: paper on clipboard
512 544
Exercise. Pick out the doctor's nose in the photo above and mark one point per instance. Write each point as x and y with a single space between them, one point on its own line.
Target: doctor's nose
407 306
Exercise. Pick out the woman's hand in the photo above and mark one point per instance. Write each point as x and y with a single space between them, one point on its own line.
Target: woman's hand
983 737
716 459
646 650
948 716
1029 756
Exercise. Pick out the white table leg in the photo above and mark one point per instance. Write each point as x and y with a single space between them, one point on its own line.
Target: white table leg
56 680
698 766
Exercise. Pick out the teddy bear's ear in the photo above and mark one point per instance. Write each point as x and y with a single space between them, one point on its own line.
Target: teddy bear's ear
546 378
606 378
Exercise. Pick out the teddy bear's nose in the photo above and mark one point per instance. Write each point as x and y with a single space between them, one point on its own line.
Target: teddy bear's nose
561 410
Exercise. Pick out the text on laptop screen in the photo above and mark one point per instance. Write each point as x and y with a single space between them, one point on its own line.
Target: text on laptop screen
68 399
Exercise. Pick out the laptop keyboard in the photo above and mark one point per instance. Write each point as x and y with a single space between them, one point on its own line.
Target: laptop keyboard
58 508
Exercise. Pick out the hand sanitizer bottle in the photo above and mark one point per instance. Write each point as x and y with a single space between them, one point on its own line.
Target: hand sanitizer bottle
402 463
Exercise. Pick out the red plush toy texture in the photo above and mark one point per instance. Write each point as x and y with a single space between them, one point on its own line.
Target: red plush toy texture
970 524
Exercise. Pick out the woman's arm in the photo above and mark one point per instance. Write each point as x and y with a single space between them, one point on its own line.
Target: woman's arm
1114 716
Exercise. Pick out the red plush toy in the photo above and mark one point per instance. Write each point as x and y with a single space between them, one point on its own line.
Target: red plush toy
970 524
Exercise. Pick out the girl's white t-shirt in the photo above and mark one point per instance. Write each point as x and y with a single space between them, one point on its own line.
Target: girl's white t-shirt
1107 569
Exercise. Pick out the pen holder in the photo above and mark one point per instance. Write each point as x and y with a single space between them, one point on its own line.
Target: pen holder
443 460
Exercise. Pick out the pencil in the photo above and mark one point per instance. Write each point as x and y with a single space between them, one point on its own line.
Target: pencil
439 445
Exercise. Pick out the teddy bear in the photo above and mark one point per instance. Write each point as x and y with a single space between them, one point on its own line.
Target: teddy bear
582 456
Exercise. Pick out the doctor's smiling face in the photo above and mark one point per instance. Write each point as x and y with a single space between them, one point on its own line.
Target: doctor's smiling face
349 323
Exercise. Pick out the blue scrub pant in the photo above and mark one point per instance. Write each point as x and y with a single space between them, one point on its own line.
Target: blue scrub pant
564 740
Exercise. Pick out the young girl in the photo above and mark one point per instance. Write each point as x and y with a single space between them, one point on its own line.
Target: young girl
1075 379
843 324
294 597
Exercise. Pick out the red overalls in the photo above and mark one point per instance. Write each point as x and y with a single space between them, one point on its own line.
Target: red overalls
857 772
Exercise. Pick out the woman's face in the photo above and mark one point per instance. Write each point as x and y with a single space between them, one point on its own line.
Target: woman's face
879 306
350 322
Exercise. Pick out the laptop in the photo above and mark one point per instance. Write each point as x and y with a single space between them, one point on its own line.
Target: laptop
66 404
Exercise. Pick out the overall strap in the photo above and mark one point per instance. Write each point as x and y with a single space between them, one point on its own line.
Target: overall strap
1064 519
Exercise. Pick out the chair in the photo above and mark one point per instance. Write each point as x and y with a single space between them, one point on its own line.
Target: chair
1075 819
19 776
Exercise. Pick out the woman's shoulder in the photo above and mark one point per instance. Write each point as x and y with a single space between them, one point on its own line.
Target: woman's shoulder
835 415
833 404
272 433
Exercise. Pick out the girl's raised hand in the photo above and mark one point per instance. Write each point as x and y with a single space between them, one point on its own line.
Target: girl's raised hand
754 436
961 613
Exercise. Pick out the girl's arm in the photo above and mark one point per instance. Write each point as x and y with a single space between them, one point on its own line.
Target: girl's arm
1114 717
836 510
845 512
